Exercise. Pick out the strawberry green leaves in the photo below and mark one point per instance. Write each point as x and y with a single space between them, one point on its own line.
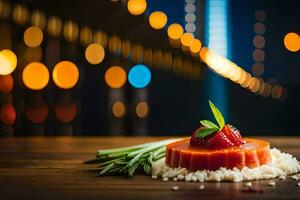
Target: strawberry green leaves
209 124
210 127
218 115
202 133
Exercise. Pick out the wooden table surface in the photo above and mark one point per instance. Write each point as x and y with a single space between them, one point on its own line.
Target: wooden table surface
52 168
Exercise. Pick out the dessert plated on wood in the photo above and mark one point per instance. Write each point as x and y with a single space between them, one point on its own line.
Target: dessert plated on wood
214 152
213 146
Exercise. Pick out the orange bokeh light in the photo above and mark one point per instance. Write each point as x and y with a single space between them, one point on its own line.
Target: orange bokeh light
8 114
65 74
195 46
158 20
65 113
35 76
115 77
6 83
187 39
258 69
203 53
175 31
136 7
94 53
292 42
277 92
142 109
33 36
118 109
258 55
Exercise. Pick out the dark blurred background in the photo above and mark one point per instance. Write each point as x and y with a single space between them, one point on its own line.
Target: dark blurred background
173 97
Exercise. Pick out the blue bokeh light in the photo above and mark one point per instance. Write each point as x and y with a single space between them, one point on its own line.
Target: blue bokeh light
139 76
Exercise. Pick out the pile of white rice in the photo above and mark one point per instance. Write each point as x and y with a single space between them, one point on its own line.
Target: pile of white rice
282 164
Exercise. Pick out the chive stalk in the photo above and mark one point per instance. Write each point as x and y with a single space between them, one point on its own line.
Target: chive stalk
129 160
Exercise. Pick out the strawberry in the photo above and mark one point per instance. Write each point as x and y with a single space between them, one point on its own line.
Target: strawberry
196 140
217 140
233 134
216 136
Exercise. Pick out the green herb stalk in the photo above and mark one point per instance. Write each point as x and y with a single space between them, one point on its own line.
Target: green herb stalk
129 160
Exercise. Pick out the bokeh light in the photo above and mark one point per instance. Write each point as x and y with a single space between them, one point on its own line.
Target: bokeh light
258 55
190 17
158 20
203 53
71 31
190 27
65 113
5 9
276 92
195 46
259 41
6 83
115 77
254 85
126 48
247 80
242 76
35 76
262 86
94 53
8 115
65 74
54 26
187 39
114 44
259 28
38 19
142 109
292 42
175 31
267 90
33 36
190 8
284 94
118 109
20 14
8 62
260 15
139 76
258 69
101 38
86 35
136 7
137 53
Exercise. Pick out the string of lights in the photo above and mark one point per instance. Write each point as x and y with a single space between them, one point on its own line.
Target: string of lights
98 41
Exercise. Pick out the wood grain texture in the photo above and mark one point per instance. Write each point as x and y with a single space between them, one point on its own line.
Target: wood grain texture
52 168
